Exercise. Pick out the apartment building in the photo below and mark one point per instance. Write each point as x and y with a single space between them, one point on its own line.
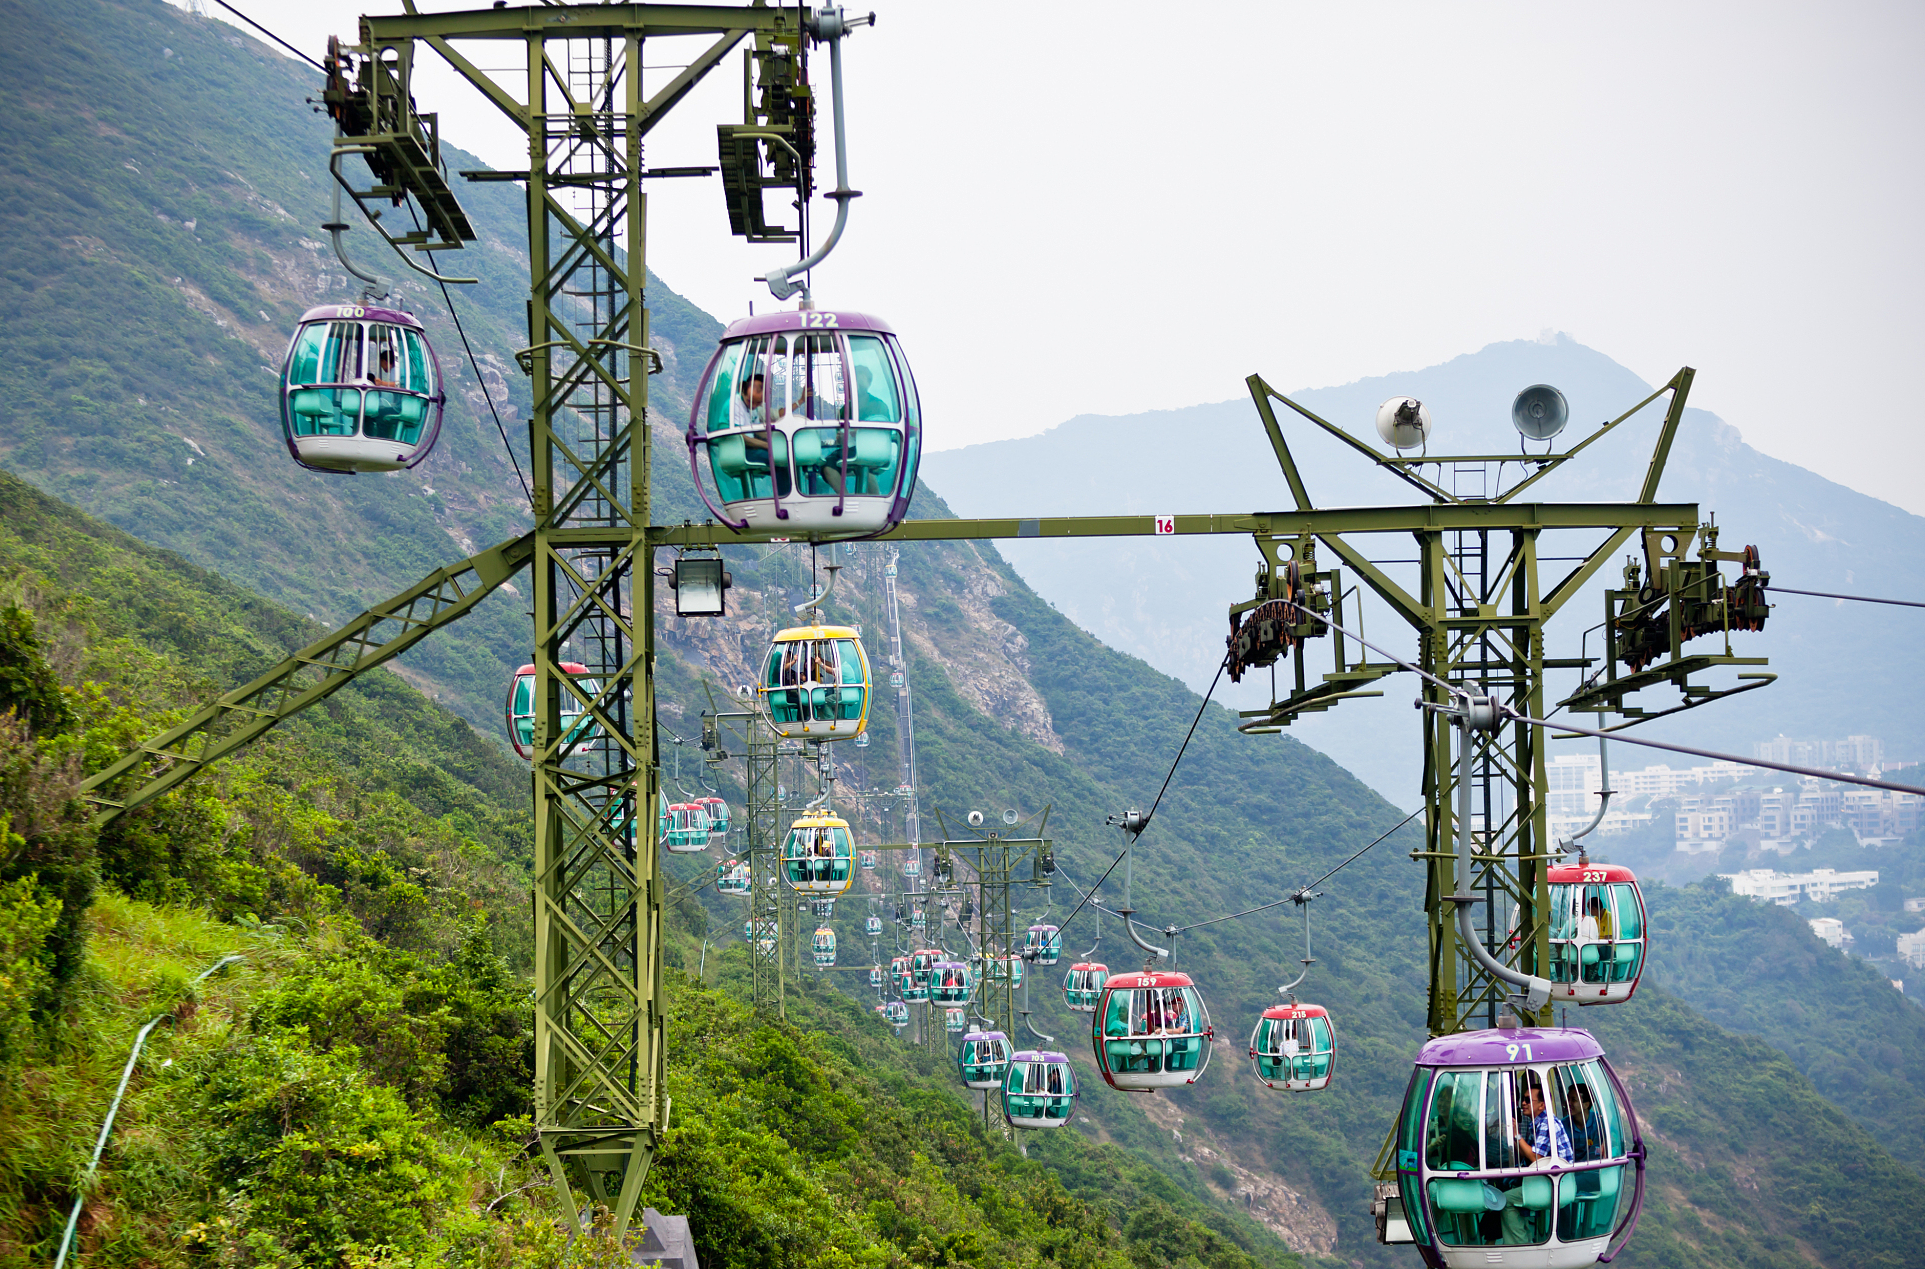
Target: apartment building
1911 949
1831 930
1853 753
1786 888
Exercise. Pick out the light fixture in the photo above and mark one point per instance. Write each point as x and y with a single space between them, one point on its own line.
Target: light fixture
1540 412
701 586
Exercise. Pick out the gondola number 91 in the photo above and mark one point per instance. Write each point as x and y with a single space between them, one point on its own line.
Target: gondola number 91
1510 1050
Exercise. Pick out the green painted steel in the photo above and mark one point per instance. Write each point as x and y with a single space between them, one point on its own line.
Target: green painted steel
1479 613
1479 616
1444 516
311 675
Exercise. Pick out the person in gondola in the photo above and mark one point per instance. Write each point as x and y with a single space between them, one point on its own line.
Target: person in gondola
1586 937
1594 927
1152 1012
1176 1015
382 375
751 411
1602 915
1588 1142
869 403
1537 1135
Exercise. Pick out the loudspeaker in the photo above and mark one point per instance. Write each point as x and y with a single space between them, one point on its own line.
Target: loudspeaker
1403 422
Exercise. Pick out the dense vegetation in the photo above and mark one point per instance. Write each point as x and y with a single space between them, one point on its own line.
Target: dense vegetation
354 1092
1756 968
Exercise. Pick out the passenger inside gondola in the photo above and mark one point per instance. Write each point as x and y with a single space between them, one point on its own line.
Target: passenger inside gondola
1547 1128
1294 1048
1140 1013
815 680
1598 936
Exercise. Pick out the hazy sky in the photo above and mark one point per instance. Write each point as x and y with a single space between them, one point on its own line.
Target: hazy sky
1081 208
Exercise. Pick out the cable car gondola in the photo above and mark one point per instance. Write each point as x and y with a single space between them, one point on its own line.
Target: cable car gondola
1039 1090
360 390
815 683
1151 1030
824 947
688 828
717 810
872 926
949 983
1046 941
810 424
982 1058
1083 984
868 860
732 876
763 931
576 724
818 855
1597 933
898 1014
899 973
875 975
1294 1047
953 1020
912 867
1471 1189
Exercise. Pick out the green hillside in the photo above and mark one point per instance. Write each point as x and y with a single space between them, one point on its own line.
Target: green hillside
1757 968
370 859
1245 820
161 183
354 1091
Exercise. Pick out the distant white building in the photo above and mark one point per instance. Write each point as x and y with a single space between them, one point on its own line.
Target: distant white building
1911 949
1786 888
1855 753
1915 905
1830 929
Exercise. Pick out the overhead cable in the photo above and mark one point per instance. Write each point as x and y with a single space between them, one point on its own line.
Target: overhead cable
1863 599
1181 750
481 383
1099 881
270 35
1300 889
1629 740
1787 767
1184 747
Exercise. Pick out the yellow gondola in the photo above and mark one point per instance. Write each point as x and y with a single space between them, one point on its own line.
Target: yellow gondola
818 855
815 683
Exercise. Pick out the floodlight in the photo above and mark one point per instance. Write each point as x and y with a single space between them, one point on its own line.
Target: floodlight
1540 412
701 585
